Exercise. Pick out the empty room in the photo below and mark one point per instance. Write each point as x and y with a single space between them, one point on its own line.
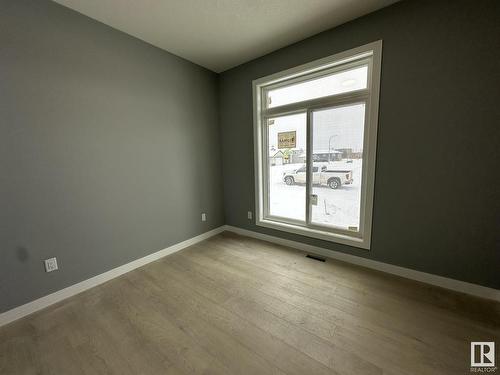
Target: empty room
282 187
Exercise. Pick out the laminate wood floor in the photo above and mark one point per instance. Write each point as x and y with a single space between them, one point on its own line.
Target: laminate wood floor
235 305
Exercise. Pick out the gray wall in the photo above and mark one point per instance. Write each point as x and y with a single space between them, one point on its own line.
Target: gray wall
437 184
109 149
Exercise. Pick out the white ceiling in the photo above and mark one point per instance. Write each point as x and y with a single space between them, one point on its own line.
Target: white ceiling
220 34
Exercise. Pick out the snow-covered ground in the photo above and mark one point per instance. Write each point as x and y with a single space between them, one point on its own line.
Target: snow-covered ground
338 207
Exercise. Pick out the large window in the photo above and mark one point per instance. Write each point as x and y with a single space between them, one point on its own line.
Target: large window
315 138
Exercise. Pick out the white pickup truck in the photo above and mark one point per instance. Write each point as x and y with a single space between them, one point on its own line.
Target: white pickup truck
321 176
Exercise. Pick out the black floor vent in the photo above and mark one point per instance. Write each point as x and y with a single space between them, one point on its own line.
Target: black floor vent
315 257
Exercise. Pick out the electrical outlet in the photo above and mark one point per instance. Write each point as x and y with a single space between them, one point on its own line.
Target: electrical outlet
203 217
51 264
249 215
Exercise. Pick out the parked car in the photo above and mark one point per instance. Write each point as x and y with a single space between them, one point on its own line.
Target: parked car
321 176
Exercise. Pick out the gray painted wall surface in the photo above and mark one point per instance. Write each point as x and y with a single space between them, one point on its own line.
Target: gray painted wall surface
102 140
437 184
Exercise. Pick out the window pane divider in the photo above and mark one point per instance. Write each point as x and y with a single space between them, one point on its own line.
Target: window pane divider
309 166
332 100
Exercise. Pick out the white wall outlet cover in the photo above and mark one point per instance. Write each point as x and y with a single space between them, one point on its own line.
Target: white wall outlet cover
249 215
51 264
203 217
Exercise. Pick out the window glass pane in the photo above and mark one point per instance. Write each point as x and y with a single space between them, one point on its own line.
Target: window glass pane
338 145
286 160
336 83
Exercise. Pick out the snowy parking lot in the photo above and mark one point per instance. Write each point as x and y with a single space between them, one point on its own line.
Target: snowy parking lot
335 207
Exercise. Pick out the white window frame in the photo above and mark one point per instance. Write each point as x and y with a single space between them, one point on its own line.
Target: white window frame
370 55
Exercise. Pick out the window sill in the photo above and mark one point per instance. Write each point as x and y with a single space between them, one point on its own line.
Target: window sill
362 243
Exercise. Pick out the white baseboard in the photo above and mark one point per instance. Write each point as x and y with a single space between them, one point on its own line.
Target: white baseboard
43 302
443 282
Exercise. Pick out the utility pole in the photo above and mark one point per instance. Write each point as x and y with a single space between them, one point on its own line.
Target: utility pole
330 147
